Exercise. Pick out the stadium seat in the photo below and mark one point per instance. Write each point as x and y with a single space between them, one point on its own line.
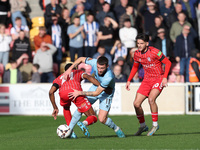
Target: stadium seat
33 32
37 21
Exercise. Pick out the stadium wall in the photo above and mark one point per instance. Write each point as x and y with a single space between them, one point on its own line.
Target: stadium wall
33 99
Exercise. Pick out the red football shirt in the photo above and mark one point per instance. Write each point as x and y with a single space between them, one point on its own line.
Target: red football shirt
74 81
150 61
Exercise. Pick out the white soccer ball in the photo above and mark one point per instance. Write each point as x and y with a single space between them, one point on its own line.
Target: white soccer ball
63 131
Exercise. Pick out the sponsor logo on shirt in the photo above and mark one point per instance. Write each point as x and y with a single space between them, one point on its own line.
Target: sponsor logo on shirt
148 58
159 53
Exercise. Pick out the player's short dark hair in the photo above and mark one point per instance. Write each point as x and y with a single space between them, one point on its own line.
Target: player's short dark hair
67 66
37 66
102 61
142 36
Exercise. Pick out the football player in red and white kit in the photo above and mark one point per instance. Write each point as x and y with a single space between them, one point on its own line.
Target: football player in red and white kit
154 80
67 86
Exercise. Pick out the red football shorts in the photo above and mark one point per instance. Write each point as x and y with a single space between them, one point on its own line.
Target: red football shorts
148 84
81 101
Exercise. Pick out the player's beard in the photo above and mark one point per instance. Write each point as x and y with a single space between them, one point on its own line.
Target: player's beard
102 73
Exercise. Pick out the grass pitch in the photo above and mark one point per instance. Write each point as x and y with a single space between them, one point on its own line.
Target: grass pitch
39 133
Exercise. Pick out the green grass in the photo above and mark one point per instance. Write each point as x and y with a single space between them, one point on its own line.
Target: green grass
39 133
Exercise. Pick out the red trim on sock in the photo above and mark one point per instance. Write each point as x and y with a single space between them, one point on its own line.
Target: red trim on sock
67 115
154 116
91 119
141 118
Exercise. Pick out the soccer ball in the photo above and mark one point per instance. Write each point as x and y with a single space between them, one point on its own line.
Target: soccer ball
63 131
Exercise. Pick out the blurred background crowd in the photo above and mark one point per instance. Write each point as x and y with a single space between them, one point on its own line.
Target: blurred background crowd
35 50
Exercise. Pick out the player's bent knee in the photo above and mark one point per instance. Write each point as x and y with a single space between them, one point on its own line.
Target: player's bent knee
151 101
102 119
136 105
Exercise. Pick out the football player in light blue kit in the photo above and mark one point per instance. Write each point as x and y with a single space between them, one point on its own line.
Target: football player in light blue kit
106 78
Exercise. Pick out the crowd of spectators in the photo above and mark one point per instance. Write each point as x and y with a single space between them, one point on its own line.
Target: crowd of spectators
92 28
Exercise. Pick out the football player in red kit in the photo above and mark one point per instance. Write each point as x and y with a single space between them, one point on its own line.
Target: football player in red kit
154 80
67 86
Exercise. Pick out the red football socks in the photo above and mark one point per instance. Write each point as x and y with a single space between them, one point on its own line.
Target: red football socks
67 115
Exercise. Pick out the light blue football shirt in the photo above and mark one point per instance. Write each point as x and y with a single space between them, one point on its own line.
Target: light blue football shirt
107 80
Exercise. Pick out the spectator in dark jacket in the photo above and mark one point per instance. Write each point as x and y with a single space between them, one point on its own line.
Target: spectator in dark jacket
50 10
163 43
183 47
21 45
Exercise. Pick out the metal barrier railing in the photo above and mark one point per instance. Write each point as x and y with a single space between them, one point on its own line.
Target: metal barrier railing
192 98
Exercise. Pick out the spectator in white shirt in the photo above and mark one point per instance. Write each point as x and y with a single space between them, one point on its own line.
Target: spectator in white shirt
127 35
4 45
17 28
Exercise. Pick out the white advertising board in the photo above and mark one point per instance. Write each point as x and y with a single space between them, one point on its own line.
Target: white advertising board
197 98
33 99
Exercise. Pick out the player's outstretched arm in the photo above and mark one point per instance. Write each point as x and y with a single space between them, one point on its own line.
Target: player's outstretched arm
91 79
52 99
167 69
74 65
133 72
77 93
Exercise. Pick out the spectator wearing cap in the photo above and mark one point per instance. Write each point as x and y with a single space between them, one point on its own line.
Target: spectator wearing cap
101 51
21 46
106 33
163 43
44 58
41 37
129 14
105 12
76 36
118 50
119 76
182 50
